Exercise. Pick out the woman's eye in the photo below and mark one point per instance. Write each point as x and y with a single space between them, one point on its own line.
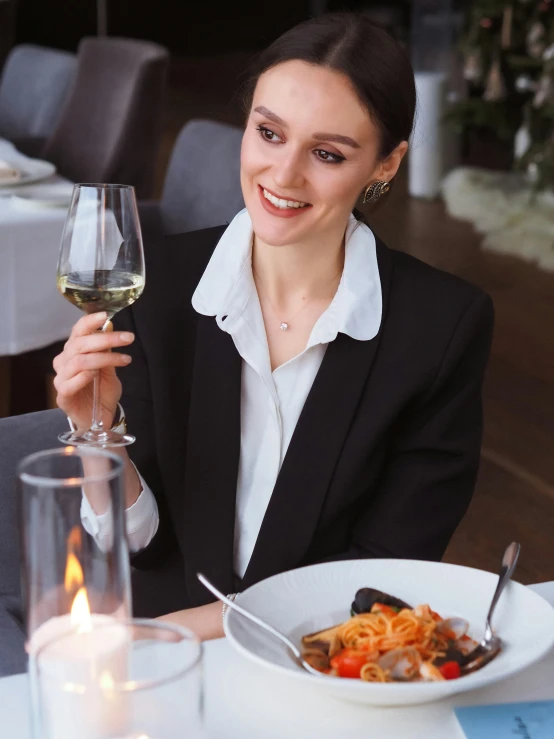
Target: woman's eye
268 134
326 156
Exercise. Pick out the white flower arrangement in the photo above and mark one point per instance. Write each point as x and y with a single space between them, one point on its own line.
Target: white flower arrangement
500 206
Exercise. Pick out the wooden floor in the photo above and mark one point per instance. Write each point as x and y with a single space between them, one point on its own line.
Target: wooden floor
514 498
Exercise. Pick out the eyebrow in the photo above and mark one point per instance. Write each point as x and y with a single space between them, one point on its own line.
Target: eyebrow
337 138
334 137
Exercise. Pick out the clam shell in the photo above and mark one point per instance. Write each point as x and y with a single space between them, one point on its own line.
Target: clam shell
402 663
430 673
456 626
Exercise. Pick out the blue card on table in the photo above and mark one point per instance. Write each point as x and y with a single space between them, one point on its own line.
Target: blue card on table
508 720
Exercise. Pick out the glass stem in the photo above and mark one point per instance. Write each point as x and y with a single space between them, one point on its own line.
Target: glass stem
97 424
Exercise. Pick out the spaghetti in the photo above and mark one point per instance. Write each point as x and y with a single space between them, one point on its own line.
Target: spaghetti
389 644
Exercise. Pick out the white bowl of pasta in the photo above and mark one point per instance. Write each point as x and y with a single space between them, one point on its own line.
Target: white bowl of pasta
303 603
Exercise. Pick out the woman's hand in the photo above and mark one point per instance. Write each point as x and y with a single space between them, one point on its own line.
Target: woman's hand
86 352
205 621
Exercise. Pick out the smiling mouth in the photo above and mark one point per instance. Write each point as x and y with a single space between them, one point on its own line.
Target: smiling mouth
281 203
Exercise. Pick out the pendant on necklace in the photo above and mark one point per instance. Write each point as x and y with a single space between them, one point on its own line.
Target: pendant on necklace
284 326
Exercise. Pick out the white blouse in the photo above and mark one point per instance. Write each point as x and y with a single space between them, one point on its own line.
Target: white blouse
271 401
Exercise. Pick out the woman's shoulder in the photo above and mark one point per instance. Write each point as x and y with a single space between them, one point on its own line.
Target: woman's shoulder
176 263
193 249
174 267
417 283
428 306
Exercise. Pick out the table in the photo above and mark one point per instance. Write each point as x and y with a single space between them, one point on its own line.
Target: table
34 314
244 700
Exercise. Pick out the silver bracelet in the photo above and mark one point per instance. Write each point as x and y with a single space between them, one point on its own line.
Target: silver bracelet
231 596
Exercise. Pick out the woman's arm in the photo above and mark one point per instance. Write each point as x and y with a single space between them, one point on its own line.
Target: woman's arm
206 621
136 401
431 466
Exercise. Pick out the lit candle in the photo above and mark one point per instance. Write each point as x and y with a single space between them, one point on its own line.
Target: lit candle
79 666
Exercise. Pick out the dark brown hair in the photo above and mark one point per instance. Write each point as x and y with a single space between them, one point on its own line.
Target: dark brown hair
376 65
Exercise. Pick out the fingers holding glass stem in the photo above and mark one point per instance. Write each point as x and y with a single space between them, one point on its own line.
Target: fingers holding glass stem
98 435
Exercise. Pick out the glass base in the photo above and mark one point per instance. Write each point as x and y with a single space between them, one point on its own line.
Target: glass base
96 438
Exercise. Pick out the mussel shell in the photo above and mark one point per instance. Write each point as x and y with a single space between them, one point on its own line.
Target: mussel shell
366 598
452 654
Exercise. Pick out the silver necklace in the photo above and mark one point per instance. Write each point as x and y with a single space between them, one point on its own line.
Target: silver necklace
285 325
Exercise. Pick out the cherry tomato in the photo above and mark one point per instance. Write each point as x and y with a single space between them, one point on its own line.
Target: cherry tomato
349 662
450 670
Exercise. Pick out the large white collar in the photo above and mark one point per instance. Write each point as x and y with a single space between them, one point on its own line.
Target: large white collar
227 283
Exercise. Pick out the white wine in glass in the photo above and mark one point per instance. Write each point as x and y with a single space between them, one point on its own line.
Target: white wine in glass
101 268
101 290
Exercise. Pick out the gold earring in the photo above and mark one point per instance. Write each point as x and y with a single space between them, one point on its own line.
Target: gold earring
373 192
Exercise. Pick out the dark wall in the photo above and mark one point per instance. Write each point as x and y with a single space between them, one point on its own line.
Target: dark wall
7 29
204 27
186 27
57 23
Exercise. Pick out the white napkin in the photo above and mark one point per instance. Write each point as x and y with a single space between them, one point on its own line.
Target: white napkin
8 171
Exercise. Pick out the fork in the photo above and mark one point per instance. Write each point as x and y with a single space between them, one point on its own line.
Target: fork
296 653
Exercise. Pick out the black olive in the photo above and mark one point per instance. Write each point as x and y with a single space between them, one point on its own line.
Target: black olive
367 597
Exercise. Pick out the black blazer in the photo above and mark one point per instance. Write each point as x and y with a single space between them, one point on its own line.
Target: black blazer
382 462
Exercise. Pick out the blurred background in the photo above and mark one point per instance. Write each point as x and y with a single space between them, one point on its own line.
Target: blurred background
474 197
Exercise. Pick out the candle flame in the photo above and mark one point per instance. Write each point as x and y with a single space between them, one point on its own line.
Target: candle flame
80 612
75 539
73 574
73 581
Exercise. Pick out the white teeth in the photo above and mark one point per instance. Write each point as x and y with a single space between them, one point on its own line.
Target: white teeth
280 203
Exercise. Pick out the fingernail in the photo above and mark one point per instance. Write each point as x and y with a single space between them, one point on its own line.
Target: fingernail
126 358
126 336
101 316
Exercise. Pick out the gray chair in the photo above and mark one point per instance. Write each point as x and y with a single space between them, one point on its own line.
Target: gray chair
111 125
33 88
19 436
202 184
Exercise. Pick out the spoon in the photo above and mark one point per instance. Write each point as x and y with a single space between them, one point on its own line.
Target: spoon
296 653
491 644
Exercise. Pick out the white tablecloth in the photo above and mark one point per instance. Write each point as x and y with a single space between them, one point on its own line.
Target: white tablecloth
33 314
244 700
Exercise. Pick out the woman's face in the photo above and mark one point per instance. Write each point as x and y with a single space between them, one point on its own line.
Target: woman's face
308 150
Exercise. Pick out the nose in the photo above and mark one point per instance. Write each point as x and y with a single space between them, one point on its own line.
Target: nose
288 171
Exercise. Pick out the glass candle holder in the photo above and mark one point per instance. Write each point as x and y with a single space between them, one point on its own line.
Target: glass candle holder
76 568
136 679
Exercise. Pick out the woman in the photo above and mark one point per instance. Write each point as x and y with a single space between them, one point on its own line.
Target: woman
299 392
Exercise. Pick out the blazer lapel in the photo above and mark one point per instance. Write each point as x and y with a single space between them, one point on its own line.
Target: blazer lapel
213 450
307 470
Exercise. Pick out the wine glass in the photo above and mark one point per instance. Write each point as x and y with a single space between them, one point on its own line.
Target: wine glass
101 268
